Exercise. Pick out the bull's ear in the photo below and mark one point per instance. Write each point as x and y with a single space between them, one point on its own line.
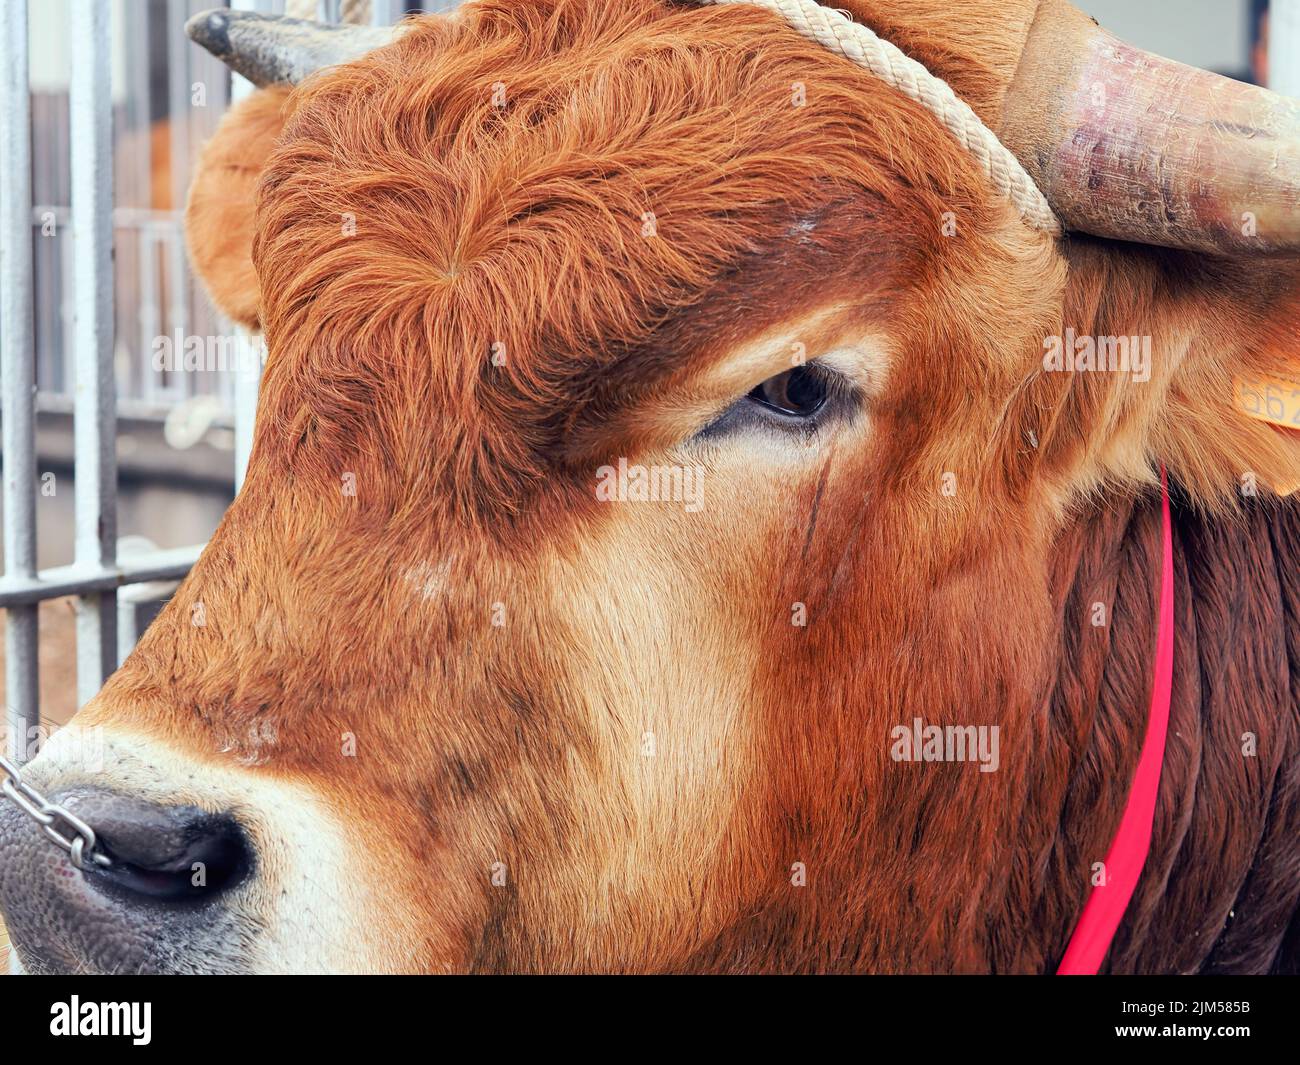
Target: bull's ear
223 194
1170 358
1229 424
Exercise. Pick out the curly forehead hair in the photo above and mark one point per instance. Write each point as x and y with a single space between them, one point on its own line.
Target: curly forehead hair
553 180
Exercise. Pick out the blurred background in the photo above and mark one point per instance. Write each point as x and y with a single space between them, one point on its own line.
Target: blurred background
1218 35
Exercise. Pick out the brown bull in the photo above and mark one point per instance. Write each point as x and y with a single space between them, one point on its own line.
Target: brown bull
658 418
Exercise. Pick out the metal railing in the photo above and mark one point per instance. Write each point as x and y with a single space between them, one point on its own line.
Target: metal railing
167 99
17 374
96 573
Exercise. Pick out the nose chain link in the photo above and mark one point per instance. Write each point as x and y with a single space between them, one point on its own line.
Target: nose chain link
54 820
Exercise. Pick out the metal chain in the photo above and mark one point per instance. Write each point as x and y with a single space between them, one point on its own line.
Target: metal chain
51 817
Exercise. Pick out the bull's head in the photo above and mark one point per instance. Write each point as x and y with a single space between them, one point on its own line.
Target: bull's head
656 414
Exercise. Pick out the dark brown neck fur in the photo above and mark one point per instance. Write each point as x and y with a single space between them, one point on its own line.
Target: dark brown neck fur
1220 888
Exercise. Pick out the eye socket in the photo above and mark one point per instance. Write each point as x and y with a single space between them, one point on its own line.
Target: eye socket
800 401
797 393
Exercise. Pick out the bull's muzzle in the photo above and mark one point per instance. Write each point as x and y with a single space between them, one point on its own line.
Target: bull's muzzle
157 908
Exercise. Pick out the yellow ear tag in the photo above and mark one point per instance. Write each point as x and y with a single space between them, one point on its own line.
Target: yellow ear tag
1274 399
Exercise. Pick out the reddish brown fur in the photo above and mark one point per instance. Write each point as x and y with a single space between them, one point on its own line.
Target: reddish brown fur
522 226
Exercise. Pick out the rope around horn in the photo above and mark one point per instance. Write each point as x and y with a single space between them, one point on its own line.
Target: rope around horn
856 42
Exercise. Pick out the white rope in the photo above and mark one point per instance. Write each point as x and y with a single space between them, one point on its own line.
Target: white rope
854 41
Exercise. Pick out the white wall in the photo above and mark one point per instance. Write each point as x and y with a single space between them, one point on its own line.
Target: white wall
1205 33
1284 53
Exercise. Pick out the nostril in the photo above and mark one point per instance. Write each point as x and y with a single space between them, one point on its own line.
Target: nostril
210 858
165 853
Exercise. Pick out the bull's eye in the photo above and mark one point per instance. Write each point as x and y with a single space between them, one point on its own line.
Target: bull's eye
798 401
797 393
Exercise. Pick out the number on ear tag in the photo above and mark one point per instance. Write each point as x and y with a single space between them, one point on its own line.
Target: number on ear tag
1274 399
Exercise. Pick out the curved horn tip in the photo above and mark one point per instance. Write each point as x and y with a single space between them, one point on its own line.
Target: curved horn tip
269 49
1129 146
211 30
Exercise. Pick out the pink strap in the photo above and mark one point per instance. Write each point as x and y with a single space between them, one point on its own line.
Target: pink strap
1128 851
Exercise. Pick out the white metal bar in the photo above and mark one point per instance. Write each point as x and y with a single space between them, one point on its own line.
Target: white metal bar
17 374
128 632
180 113
90 117
178 283
247 379
135 31
165 564
136 613
134 165
137 606
178 103
204 321
149 312
1284 47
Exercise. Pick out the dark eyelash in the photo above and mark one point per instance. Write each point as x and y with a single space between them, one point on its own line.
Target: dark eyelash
842 401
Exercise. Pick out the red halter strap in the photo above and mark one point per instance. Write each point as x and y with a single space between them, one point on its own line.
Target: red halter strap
1128 851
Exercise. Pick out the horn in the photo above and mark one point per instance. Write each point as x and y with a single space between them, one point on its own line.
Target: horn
1133 147
267 49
